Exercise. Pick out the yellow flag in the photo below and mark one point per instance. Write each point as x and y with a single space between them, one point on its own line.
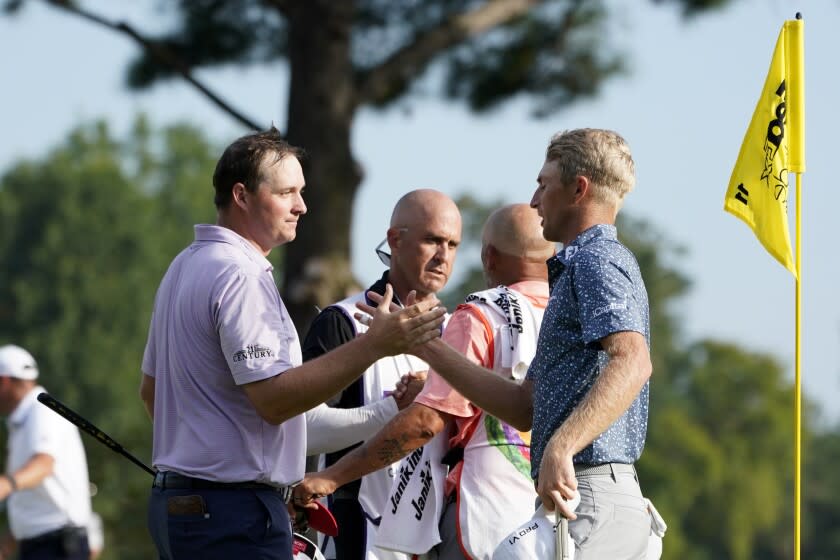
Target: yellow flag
773 146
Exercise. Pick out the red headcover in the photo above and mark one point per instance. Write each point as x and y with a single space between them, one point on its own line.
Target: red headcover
321 520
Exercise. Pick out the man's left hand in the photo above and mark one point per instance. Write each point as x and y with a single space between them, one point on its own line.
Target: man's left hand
408 387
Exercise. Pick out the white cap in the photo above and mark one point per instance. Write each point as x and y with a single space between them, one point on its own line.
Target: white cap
17 362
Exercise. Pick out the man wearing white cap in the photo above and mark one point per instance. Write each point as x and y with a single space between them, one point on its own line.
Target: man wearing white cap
46 478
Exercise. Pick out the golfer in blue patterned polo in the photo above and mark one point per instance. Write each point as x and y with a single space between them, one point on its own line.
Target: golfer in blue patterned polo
590 374
586 392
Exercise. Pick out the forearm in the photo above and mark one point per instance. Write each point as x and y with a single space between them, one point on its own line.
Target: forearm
506 399
31 474
299 389
412 428
147 394
621 380
330 429
302 388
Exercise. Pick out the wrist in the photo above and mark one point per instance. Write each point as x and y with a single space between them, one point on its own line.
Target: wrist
13 485
561 444
333 479
428 351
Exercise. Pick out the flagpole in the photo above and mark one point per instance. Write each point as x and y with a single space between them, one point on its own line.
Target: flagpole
799 168
797 477
773 150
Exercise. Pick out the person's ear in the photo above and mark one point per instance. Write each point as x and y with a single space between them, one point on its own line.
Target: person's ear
488 257
240 195
582 186
393 235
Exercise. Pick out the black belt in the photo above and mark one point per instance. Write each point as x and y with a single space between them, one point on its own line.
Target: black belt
56 534
604 469
169 480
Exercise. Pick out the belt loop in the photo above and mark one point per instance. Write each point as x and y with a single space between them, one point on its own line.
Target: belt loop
613 473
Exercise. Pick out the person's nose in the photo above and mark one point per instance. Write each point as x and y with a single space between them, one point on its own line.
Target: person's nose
300 206
535 199
445 253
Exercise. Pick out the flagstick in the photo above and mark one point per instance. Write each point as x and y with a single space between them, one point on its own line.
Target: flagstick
797 477
799 168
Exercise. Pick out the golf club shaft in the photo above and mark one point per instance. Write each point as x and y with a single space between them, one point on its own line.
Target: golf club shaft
87 427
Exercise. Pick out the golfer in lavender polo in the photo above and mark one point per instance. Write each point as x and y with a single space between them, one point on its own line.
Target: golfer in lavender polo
223 379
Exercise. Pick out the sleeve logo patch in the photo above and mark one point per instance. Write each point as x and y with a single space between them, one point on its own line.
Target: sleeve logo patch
252 352
620 306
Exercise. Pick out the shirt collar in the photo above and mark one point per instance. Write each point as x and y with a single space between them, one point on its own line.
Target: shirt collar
598 231
21 411
220 234
563 258
378 287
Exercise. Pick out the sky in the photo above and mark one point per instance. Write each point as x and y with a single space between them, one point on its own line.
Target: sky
683 107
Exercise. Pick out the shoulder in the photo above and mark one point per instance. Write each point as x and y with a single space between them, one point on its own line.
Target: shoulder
469 320
330 319
347 303
606 255
330 329
497 298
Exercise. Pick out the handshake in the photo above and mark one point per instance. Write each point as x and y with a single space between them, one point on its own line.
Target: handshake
394 330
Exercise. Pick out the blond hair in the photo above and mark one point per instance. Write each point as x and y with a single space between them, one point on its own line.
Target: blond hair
602 156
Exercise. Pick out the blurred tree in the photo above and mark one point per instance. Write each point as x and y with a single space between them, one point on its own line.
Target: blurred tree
350 54
85 236
820 507
719 454
718 459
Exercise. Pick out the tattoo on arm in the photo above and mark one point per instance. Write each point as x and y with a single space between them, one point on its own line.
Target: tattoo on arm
392 450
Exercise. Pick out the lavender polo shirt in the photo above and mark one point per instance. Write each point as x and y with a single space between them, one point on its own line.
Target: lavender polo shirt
218 323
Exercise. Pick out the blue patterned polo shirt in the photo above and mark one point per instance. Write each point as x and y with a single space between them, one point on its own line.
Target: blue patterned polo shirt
596 290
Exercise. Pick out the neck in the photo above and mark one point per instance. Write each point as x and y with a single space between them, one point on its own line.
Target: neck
229 220
517 270
401 289
595 214
22 390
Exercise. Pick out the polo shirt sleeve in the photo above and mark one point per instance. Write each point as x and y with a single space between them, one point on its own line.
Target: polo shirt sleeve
256 333
466 333
150 352
606 298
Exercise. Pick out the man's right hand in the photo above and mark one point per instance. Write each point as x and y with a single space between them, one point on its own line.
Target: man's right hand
557 483
396 331
311 488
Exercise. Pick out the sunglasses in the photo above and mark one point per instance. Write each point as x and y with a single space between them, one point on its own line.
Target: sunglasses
383 256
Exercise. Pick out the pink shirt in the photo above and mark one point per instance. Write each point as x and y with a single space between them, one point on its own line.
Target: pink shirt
218 323
468 333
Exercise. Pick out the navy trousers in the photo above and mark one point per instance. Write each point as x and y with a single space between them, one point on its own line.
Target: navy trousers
71 544
219 524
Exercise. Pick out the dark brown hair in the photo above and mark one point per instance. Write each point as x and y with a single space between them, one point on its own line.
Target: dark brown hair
242 162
